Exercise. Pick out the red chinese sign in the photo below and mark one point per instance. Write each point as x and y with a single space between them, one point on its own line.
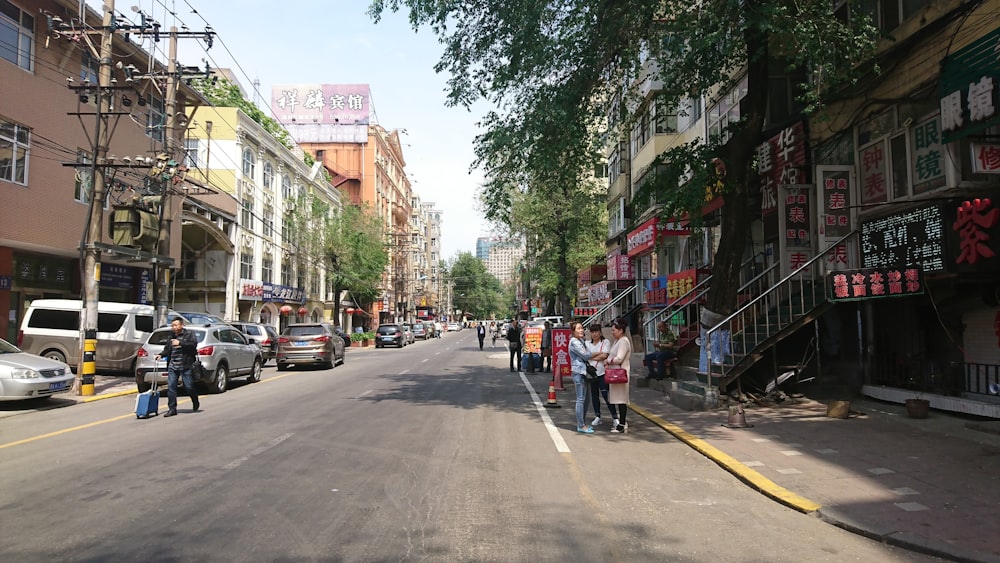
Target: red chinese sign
781 160
836 221
643 239
974 219
561 366
874 185
680 284
874 283
599 293
985 158
797 224
619 266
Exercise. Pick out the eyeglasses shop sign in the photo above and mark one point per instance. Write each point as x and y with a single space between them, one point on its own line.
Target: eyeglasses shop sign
911 238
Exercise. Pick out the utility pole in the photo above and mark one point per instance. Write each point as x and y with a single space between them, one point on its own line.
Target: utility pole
166 211
84 383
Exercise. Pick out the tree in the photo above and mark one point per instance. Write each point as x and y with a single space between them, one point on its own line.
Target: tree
223 93
474 290
555 70
356 255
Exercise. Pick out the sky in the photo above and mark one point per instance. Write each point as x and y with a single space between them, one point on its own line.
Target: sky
336 42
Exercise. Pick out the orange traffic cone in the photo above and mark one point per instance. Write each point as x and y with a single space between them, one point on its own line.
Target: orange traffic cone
551 403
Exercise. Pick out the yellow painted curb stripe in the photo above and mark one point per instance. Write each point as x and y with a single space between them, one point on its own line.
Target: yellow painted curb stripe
742 472
109 395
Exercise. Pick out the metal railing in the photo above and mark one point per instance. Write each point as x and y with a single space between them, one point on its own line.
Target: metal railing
737 336
607 306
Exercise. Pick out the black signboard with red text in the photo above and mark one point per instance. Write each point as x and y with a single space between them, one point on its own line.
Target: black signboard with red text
874 283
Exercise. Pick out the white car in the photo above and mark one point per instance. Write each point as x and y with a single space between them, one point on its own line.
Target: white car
454 327
27 376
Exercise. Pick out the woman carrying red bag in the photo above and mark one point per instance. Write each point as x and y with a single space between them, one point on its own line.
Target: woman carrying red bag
619 357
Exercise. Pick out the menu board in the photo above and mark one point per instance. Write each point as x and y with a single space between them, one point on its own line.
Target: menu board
910 238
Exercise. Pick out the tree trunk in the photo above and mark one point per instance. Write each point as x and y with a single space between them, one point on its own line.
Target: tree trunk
737 155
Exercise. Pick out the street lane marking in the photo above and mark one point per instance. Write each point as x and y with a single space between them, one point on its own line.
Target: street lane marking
404 371
113 419
424 360
365 393
238 462
557 438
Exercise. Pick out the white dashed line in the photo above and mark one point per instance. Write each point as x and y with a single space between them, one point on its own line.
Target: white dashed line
557 438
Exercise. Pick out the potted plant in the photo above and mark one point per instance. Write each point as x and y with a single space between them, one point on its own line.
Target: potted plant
356 339
918 406
367 338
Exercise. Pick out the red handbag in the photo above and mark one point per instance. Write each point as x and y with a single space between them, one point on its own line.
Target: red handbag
615 375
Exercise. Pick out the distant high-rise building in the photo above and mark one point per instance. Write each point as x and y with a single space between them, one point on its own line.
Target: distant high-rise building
483 247
502 258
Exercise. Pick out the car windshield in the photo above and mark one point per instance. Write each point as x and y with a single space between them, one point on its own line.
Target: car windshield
7 347
303 330
161 336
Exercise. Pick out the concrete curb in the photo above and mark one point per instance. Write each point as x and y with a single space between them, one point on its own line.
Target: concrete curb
742 472
830 515
108 396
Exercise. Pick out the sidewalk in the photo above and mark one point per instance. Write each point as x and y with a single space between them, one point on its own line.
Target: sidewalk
931 486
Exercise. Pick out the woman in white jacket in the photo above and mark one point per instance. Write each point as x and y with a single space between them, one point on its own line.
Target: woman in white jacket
620 355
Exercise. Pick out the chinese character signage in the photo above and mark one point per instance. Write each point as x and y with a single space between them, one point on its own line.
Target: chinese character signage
836 199
560 354
599 293
975 223
643 239
275 292
656 292
680 284
985 158
874 283
338 104
874 183
674 228
910 238
969 81
116 277
781 160
927 168
533 339
251 290
619 266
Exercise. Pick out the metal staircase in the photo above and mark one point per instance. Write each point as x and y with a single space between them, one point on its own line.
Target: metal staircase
768 318
624 300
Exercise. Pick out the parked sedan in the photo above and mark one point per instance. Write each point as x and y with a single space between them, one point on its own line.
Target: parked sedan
264 335
310 343
223 351
27 376
419 331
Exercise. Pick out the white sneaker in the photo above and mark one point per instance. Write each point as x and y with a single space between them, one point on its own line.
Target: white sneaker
615 430
614 424
596 422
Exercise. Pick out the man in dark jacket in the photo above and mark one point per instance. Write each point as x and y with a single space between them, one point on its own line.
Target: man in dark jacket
514 344
179 352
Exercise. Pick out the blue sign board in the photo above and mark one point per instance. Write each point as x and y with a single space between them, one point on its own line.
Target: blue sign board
283 293
5 282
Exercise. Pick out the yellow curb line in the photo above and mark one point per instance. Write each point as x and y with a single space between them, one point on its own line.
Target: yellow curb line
766 486
108 396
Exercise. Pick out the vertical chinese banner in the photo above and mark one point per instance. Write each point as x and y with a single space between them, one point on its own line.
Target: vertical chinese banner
560 356
795 227
874 188
782 159
927 168
835 191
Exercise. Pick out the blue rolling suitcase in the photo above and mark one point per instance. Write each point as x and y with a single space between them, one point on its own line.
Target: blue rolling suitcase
148 403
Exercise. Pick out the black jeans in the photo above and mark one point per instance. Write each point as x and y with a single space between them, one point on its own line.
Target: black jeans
515 352
173 374
599 389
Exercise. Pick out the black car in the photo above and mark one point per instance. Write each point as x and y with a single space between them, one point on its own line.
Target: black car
340 332
389 335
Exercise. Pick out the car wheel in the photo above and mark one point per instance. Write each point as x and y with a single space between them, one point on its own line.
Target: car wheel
282 367
254 376
140 383
221 381
54 355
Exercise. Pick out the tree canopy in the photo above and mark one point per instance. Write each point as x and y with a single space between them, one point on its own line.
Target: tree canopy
564 78
475 291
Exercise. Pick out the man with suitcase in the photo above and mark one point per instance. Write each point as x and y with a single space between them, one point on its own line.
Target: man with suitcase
179 352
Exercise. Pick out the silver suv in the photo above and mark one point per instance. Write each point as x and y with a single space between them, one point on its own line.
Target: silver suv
224 353
264 335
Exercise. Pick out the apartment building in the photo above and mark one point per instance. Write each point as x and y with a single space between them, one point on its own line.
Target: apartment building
48 100
266 271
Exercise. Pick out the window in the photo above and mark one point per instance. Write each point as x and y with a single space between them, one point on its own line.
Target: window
891 13
726 112
17 35
154 118
249 163
267 268
286 271
246 264
665 118
268 176
55 319
247 213
14 144
286 186
144 323
110 322
82 188
191 153
268 220
88 68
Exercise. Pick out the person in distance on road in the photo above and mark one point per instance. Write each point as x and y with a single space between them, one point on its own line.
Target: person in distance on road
481 334
514 344
179 352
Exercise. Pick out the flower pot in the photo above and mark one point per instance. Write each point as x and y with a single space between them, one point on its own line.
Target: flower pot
917 408
355 344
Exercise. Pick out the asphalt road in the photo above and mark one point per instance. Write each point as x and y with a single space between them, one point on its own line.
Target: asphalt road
434 452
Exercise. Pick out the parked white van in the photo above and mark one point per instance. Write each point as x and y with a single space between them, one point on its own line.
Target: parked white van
51 328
